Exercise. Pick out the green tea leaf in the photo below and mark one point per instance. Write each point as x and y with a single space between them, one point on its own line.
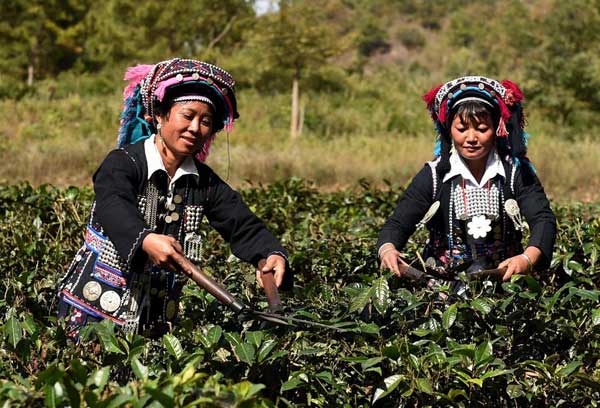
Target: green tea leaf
99 378
361 300
173 346
381 295
595 317
390 384
481 305
13 331
265 349
213 335
140 370
569 368
424 385
483 352
291 384
245 352
449 316
254 337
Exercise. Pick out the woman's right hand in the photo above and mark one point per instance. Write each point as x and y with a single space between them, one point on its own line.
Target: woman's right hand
160 249
390 259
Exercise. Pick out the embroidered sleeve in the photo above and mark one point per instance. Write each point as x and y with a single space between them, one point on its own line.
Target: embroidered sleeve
535 207
249 238
116 185
410 209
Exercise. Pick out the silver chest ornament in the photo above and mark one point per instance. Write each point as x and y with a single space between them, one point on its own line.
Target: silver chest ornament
514 213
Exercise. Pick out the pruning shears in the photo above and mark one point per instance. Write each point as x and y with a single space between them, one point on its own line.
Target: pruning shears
225 297
433 273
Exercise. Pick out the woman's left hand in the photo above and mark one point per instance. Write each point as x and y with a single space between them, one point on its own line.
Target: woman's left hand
273 264
522 263
516 264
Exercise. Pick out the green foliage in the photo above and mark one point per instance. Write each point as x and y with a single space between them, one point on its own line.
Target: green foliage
531 341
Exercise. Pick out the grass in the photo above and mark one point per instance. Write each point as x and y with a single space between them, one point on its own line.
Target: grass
61 138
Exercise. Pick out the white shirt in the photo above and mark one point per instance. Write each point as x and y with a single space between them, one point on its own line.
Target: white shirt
155 164
493 167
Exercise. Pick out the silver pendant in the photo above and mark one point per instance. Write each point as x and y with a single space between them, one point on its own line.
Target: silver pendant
429 214
514 213
479 226
110 301
92 291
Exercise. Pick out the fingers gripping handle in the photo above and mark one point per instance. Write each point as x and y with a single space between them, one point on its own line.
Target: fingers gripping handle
209 284
271 291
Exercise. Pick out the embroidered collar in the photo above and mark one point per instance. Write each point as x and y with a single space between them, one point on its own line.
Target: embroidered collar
155 163
493 167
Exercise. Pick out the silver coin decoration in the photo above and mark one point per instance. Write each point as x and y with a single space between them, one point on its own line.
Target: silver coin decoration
110 301
171 207
174 216
92 291
171 309
514 213
429 214
177 199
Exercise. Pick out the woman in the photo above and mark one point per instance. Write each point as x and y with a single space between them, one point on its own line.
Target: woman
472 195
151 195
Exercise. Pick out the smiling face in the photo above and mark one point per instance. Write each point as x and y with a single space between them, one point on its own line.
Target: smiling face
186 128
473 136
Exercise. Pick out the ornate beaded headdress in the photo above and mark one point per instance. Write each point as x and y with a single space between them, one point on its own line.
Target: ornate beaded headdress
505 97
192 80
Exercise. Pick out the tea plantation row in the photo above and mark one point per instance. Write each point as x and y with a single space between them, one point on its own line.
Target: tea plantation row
532 341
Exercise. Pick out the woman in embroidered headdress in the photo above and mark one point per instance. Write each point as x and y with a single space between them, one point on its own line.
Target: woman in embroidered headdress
472 196
151 195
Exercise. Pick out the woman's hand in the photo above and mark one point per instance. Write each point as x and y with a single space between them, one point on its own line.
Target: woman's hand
273 264
160 248
390 259
522 263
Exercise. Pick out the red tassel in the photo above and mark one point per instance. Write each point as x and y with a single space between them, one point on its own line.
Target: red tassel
513 93
501 131
429 97
442 114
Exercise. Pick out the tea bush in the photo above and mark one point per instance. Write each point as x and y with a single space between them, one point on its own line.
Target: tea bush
531 341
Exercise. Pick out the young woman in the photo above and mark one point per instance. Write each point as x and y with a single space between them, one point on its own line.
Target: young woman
473 195
151 195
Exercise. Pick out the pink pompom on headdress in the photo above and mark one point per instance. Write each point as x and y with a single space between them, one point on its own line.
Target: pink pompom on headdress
135 75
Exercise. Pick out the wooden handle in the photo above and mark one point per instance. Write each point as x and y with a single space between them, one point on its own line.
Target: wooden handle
208 283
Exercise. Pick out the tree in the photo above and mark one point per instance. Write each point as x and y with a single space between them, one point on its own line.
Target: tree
299 37
565 68
41 37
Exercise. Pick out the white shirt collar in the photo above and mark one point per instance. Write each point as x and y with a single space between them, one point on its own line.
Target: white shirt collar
493 167
155 162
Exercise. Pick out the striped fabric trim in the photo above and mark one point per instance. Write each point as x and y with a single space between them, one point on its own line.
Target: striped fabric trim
73 300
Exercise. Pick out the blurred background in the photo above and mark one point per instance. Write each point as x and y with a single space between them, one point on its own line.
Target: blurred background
329 90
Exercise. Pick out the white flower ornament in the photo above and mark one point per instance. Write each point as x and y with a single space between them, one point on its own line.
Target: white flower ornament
479 226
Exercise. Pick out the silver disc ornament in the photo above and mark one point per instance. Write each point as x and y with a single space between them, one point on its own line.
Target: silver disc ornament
92 291
110 301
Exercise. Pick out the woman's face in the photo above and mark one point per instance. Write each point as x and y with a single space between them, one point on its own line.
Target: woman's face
473 139
187 127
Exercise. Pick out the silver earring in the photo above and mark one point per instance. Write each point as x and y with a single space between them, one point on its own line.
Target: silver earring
158 126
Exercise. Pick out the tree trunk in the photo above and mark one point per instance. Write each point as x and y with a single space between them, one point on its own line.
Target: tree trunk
30 75
295 97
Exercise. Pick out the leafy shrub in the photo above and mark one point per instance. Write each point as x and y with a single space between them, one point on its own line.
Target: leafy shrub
531 341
